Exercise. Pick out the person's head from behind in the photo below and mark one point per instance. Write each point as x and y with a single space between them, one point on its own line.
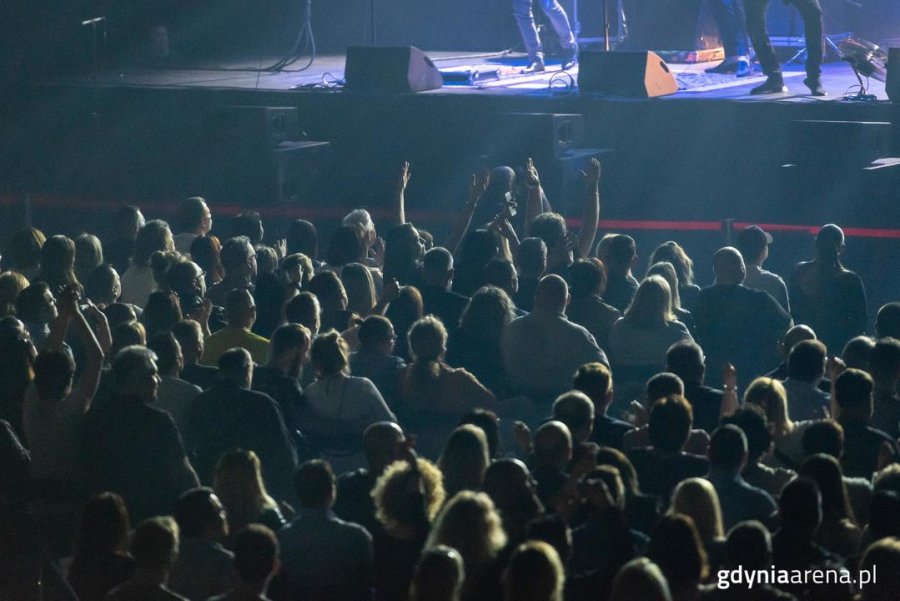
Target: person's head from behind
330 291
127 222
587 277
487 313
154 236
249 224
651 305
330 354
753 243
162 312
362 220
532 258
58 259
437 267
595 380
576 411
315 485
806 361
858 351
793 336
266 260
238 483
661 385
135 375
672 252
824 436
676 548
511 487
236 367
749 546
853 396
728 449
289 347
769 395
670 423
800 508
239 258
502 274
36 304
154 546
127 333
534 573
887 321
697 499
170 361
189 335
752 422
397 510
305 310
827 473
685 359
884 514
104 526
12 283
552 294
439 575
193 216
640 580
24 250
256 555
200 515
406 308
345 246
885 554
884 362
53 373
489 423
728 266
464 459
552 445
303 238
469 523
240 308
619 254
551 228
103 285
88 255
359 287
383 443
427 340
206 251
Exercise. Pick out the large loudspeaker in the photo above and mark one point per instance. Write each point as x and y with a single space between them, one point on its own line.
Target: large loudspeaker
390 69
639 74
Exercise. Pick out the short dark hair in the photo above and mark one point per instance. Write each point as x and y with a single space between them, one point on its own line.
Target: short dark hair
29 301
236 251
806 361
670 423
575 410
155 542
549 227
489 423
532 254
664 384
727 447
234 362
593 379
752 421
853 389
749 545
255 553
824 436
289 336
314 483
438 260
303 308
167 349
887 321
621 250
685 359
374 330
884 361
190 213
195 512
586 277
236 304
799 505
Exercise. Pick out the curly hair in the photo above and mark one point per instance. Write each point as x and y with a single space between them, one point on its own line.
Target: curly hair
392 503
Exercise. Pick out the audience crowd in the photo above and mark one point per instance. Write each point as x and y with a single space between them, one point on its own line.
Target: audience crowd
513 414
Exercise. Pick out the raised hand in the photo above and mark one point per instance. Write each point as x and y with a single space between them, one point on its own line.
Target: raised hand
403 178
67 302
729 376
532 178
378 251
479 186
592 176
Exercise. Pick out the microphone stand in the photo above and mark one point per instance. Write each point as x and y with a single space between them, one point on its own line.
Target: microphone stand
605 26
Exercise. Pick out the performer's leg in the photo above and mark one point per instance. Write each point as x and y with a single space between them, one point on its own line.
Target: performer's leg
732 22
525 20
560 22
811 11
759 36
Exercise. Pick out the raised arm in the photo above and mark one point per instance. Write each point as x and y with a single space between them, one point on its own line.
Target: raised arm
534 205
591 213
86 387
477 189
398 207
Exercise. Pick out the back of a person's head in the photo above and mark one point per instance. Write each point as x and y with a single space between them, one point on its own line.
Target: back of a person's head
345 246
640 580
824 436
670 423
586 277
752 422
395 509
53 371
57 256
130 361
675 546
666 271
287 338
439 575
488 312
727 448
806 361
749 546
552 445
437 262
302 238
884 360
190 214
800 506
829 244
427 339
685 360
827 473
129 333
163 311
238 303
329 289
235 364
618 459
888 478
255 553
887 321
12 283
489 423
303 308
672 252
196 511
534 573
576 411
619 253
167 350
24 249
768 394
857 352
594 380
697 499
501 273
235 252
88 254
882 562
652 303
239 485
249 224
464 459
329 354
154 543
728 266
314 484
552 294
30 303
127 218
406 308
469 523
104 526
532 257
853 392
552 529
884 514
549 227
154 236
662 385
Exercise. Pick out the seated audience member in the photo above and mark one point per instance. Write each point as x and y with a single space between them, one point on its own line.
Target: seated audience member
551 453
660 386
403 251
280 377
332 296
666 271
476 249
138 281
58 265
248 224
255 564
101 560
241 311
375 358
619 255
857 352
530 370
672 252
162 311
736 324
133 448
865 448
838 533
154 546
512 489
192 219
697 499
175 395
753 243
203 567
885 518
407 498
437 298
239 485
676 548
103 286
322 556
787 435
794 334
806 368
534 573
475 345
469 523
885 554
661 466
532 264
296 270
739 501
231 416
403 312
587 283
22 253
639 340
752 422
576 411
595 380
439 576
302 237
239 263
304 309
191 341
642 511
464 460
36 308
640 580
884 365
887 321
501 273
685 359
489 422
206 252
12 284
127 221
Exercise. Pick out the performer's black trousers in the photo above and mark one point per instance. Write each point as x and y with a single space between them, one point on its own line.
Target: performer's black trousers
811 12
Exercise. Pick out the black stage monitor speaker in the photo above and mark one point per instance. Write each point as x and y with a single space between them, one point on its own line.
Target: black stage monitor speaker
390 69
639 74
892 85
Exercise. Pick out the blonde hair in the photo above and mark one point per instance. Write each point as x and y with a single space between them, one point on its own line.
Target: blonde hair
770 395
239 485
439 575
640 580
652 304
465 459
427 340
390 494
697 499
330 354
360 288
534 573
666 270
11 284
470 524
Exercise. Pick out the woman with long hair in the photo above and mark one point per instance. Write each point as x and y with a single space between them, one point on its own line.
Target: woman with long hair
666 271
403 313
676 547
238 483
439 576
88 255
838 532
464 460
58 264
101 558
674 253
138 281
403 251
23 252
697 499
206 252
360 287
162 312
534 573
787 435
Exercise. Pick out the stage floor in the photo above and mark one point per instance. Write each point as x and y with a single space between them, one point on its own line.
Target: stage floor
245 74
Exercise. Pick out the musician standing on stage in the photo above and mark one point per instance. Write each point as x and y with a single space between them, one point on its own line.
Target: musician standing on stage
811 11
522 9
732 24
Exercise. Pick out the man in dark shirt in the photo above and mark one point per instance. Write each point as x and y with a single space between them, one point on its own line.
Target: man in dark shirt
865 448
532 263
375 359
806 368
884 365
551 453
736 324
230 415
190 336
685 360
279 378
437 298
619 254
739 500
595 380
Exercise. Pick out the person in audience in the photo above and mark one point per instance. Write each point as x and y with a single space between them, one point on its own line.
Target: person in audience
865 448
18 354
102 286
407 498
403 312
248 224
640 580
241 311
838 533
464 460
619 256
239 484
825 295
532 265
787 435
12 283
502 274
885 554
230 415
857 352
793 336
676 548
489 422
305 310
736 324
476 249
138 281
154 546
576 411
887 321
255 564
175 395
642 511
884 366
685 359
131 447
439 575
375 358
22 253
437 297
739 501
752 422
672 252
403 251
660 386
192 219
58 265
189 335
806 368
595 380
280 377
206 251
697 499
239 265
551 453
302 237
88 255
534 573
346 245
753 243
101 561
587 284
322 556
162 311
187 280
512 489
666 271
36 308
126 223
327 287
203 567
361 289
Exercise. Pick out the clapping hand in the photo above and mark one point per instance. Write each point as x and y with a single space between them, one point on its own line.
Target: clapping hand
531 176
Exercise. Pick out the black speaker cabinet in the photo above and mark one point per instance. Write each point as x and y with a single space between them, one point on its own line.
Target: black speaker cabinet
638 74
390 69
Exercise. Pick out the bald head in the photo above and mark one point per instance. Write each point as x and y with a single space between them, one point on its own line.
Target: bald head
552 445
796 334
552 294
728 266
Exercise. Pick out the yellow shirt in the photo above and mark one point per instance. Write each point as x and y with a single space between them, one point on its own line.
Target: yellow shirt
230 337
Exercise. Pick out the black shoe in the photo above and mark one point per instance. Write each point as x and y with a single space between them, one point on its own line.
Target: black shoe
723 68
744 69
535 66
569 57
773 85
814 83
